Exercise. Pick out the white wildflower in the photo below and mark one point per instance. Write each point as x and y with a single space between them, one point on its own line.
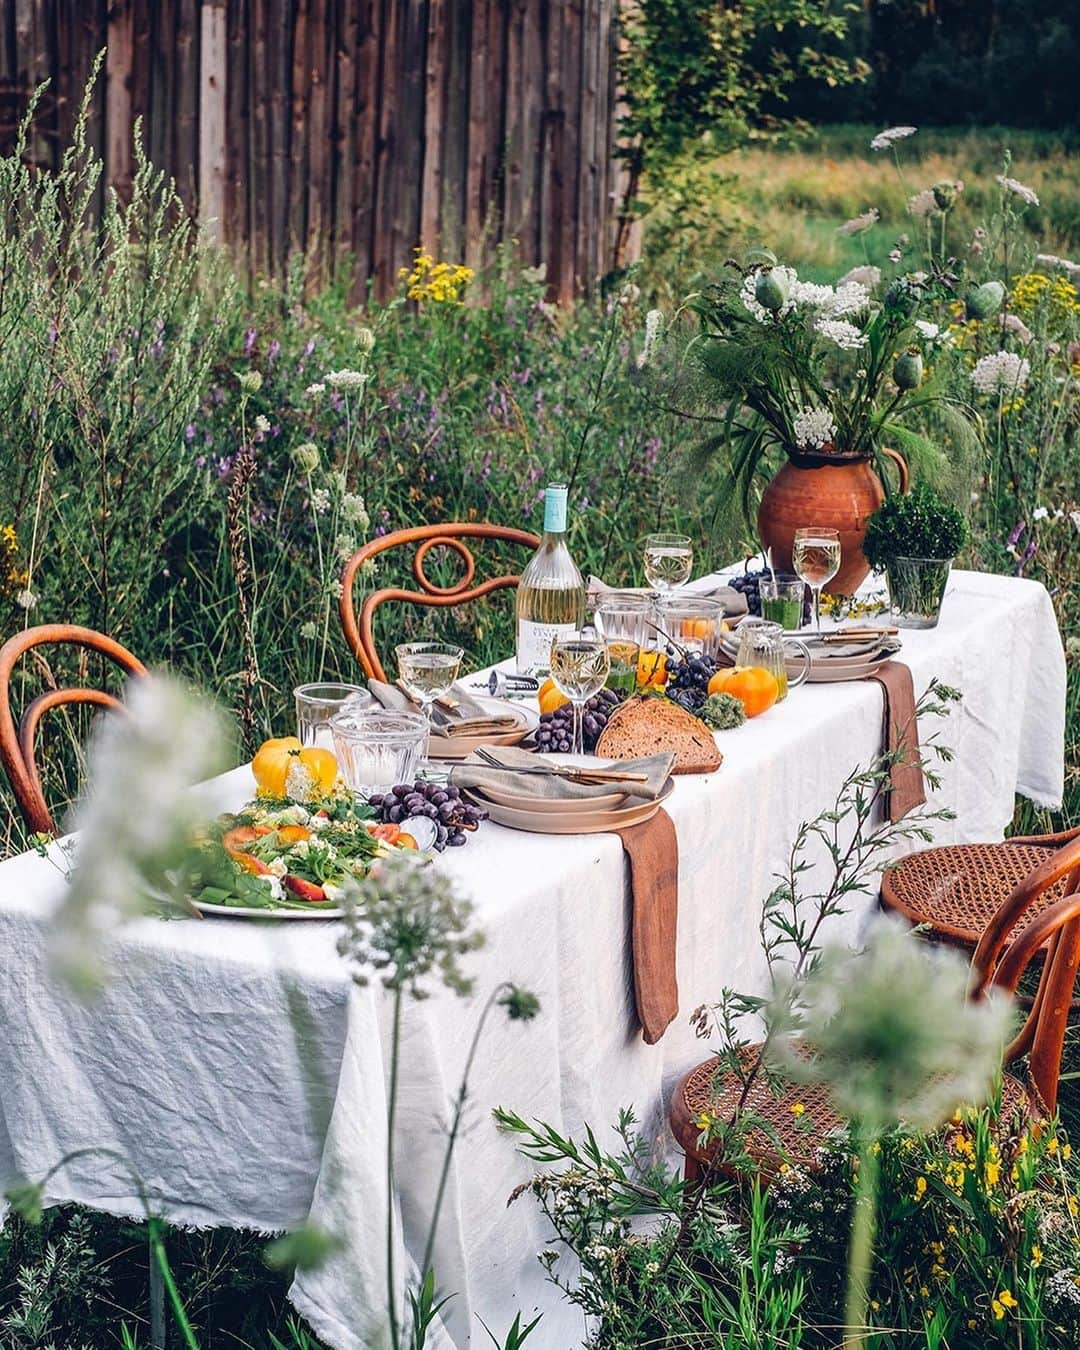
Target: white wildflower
1070 269
1027 195
922 203
309 631
320 501
127 860
262 424
1001 373
317 388
654 321
749 299
866 276
1040 513
844 334
813 426
812 295
1013 323
346 380
851 297
1074 516
859 224
26 599
336 479
354 512
926 330
884 139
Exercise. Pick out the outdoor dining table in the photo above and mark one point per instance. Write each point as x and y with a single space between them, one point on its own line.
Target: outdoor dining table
239 1075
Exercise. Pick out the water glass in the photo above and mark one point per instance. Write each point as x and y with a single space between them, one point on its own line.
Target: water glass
691 622
782 600
622 621
316 704
580 665
377 748
765 644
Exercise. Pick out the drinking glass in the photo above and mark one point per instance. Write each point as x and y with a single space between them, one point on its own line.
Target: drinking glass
816 558
762 643
427 670
579 666
668 559
316 704
377 748
622 621
691 622
782 600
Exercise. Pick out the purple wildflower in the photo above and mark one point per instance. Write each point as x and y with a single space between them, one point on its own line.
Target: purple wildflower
249 341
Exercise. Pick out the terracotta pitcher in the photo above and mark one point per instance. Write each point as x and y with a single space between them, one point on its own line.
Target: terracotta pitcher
839 491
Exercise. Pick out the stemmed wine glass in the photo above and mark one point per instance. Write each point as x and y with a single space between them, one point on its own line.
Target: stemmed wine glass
816 559
580 664
668 559
427 670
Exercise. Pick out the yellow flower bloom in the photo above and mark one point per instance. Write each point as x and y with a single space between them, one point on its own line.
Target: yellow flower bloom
920 1188
1002 1304
797 1108
1036 1255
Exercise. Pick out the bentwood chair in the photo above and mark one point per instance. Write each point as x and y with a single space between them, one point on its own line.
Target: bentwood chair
799 1116
17 742
442 538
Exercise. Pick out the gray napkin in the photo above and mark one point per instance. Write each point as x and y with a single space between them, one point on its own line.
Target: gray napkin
733 601
472 772
469 718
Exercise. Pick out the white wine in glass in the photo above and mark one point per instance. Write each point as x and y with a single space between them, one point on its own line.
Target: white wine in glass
580 665
427 669
816 559
668 560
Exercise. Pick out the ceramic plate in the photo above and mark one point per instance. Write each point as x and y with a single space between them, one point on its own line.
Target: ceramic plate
520 801
251 912
458 747
573 821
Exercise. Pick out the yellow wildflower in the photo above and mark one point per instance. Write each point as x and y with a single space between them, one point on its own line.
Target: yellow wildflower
1036 1255
920 1188
797 1108
1002 1304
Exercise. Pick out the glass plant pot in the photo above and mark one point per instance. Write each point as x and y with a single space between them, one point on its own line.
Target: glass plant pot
916 589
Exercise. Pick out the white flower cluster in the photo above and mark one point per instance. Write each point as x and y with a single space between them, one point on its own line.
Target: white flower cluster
846 336
346 380
1027 195
866 276
1001 373
859 224
928 331
922 203
813 426
884 139
654 321
750 300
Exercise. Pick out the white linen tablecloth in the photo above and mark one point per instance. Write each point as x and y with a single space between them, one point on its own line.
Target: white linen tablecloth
191 1066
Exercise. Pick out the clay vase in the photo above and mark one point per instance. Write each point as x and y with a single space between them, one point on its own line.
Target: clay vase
838 491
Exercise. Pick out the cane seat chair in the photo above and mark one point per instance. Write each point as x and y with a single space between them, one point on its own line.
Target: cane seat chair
427 539
18 740
798 1117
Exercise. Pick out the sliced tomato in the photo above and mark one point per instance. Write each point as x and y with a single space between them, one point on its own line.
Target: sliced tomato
292 834
243 834
306 890
388 833
249 863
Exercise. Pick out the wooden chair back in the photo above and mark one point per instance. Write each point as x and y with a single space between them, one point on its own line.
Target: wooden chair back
17 743
1001 958
359 634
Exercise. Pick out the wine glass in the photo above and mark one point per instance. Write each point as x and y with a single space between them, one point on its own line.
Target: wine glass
668 559
816 558
427 670
580 664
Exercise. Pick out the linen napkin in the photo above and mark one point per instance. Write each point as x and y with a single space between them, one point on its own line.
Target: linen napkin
474 773
468 718
733 601
900 731
652 854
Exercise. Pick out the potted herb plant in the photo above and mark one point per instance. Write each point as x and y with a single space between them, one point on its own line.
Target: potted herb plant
914 540
828 378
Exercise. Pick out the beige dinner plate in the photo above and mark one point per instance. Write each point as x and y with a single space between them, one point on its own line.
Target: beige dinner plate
459 747
572 821
831 673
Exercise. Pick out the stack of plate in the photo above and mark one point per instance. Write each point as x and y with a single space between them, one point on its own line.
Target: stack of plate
567 815
831 661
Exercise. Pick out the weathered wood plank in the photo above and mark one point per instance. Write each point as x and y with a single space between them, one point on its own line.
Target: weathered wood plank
213 78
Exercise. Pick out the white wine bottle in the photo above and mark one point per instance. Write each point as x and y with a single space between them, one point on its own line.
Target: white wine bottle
551 594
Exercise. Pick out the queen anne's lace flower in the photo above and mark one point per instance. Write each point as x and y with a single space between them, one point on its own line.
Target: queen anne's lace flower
346 379
1001 373
844 334
1027 195
928 331
884 139
922 203
866 276
859 224
750 300
813 426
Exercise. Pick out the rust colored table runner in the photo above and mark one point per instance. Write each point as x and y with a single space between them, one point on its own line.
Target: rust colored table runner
900 731
652 851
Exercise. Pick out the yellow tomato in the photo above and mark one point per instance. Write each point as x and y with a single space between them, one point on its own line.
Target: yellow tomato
754 686
652 670
275 758
550 697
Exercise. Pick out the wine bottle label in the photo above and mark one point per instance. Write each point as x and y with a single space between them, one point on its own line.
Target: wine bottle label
555 509
534 645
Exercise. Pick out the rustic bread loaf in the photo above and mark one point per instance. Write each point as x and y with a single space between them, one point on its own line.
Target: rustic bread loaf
650 726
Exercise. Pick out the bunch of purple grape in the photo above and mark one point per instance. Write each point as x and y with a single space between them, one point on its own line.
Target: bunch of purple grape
688 679
556 730
749 584
439 802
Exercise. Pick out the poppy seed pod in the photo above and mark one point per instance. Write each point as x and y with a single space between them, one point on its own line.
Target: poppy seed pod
771 290
908 370
983 302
